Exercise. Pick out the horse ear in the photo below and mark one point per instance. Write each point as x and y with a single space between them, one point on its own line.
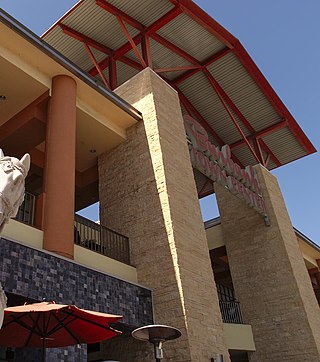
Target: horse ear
25 160
1 153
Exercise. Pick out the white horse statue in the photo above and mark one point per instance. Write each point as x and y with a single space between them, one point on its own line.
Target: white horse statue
12 175
3 304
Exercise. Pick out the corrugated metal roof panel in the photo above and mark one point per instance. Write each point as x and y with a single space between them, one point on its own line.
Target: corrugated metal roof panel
245 87
132 55
285 144
72 49
164 57
210 107
244 92
199 43
124 72
95 22
145 11
245 156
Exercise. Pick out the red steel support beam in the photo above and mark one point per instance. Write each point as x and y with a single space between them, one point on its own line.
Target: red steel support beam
158 24
131 41
126 60
146 50
113 74
267 160
102 48
150 31
223 95
205 20
164 20
201 192
203 65
273 98
176 69
97 66
85 39
242 119
272 155
183 54
194 112
202 18
264 132
119 13
258 150
119 55
217 89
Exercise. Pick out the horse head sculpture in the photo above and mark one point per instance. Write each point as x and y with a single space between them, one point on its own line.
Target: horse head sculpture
12 175
3 304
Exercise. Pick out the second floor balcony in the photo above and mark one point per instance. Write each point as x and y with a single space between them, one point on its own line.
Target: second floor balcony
230 311
100 239
87 234
229 306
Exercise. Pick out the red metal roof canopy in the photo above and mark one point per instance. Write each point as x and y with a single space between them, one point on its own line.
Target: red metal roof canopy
218 83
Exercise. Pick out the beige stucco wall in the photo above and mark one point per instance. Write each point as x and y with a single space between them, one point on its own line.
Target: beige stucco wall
239 337
104 264
23 233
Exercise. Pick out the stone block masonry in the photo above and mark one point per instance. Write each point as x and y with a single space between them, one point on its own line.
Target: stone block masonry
147 191
270 277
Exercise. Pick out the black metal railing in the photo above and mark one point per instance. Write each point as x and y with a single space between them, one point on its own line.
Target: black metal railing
100 239
230 311
26 211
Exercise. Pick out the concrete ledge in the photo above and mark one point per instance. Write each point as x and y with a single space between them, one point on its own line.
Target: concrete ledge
239 337
23 233
104 264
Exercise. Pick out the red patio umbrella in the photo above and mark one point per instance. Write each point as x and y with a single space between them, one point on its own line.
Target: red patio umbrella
48 325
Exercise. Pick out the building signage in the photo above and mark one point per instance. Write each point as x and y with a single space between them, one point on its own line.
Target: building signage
218 166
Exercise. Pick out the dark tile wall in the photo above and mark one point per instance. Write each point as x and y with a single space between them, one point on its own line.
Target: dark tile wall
37 275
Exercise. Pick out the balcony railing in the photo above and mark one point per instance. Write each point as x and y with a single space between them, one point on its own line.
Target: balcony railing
27 209
100 239
87 233
230 311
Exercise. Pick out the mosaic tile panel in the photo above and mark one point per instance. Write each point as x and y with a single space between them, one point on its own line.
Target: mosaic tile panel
38 275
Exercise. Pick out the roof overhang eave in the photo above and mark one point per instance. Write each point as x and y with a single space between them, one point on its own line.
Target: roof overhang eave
272 96
32 38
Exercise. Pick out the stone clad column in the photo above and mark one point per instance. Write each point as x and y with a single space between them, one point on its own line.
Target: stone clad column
270 277
147 192
59 182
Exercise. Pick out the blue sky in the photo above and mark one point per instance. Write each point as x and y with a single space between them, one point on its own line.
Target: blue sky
282 37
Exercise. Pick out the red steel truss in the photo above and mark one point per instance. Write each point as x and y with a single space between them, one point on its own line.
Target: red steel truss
247 135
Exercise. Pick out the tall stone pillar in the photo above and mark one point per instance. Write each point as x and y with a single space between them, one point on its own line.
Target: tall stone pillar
270 277
147 192
59 173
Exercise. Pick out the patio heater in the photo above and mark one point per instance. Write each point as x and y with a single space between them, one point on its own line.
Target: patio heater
156 334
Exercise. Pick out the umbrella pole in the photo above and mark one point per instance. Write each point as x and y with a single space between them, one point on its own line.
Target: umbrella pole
43 349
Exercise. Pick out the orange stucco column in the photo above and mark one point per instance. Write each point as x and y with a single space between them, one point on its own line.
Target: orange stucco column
59 182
